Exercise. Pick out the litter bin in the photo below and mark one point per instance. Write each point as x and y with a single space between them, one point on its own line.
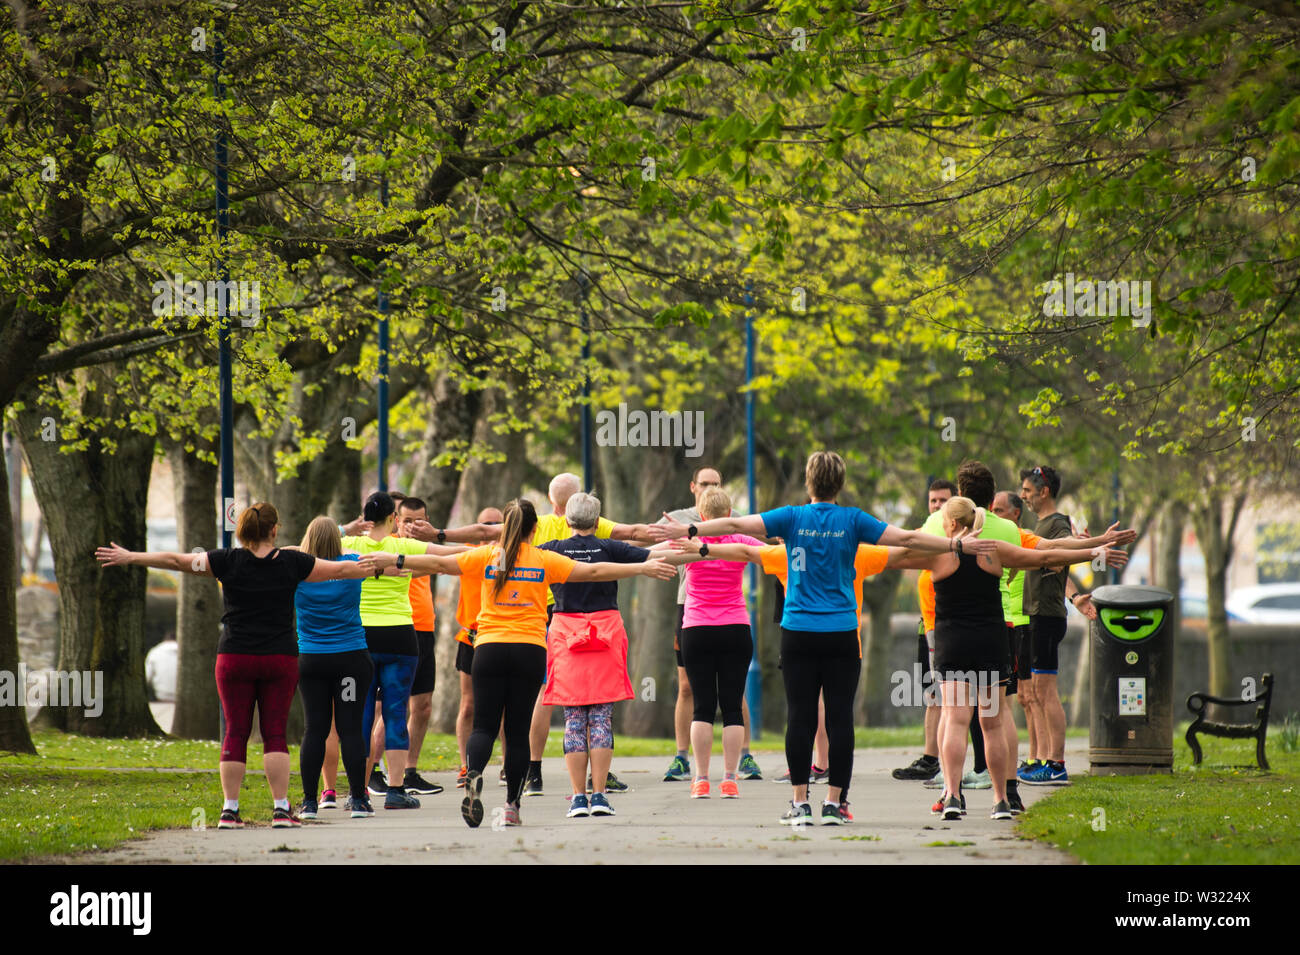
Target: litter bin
1132 670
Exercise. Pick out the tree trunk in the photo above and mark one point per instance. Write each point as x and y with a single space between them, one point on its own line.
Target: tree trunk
89 498
1214 533
198 600
14 734
879 593
14 468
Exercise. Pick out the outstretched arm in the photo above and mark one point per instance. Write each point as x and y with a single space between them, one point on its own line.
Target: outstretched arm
738 553
751 524
116 556
1013 556
340 570
428 563
932 543
1113 537
608 570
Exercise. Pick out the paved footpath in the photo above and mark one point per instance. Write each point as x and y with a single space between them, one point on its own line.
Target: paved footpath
656 822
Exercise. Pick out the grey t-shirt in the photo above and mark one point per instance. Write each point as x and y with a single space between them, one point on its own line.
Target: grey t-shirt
683 515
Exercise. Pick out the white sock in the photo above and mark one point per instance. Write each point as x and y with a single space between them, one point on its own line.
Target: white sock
827 802
796 803
231 804
282 803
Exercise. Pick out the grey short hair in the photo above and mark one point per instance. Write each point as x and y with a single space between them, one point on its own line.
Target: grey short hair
582 511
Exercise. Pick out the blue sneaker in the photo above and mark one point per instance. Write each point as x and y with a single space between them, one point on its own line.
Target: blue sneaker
1026 769
678 770
578 806
748 768
600 805
1056 775
1037 775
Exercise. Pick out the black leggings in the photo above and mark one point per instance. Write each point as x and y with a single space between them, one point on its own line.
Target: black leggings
814 664
977 740
717 662
333 687
506 679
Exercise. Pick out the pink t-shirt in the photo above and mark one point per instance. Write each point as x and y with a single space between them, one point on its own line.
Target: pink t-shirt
713 596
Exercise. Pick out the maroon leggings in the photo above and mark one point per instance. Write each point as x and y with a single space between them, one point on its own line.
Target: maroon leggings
244 679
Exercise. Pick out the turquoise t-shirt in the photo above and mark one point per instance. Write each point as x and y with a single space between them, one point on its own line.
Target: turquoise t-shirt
329 615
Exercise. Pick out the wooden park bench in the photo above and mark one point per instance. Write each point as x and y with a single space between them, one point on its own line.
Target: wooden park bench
1256 729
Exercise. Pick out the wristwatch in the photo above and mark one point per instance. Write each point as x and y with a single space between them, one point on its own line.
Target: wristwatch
401 559
959 550
442 538
691 531
704 548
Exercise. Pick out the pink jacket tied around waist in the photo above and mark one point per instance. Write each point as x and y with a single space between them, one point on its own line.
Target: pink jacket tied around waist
586 659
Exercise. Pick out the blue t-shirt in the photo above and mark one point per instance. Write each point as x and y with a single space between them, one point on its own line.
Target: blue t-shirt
329 615
821 542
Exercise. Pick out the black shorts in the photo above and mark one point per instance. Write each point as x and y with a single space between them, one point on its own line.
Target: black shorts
425 669
465 657
1024 651
1048 632
923 659
1013 674
677 635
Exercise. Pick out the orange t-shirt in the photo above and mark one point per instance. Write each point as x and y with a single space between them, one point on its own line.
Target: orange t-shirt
467 611
1027 540
925 594
422 603
518 613
869 560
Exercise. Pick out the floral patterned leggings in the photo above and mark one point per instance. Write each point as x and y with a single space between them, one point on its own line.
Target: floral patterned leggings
597 719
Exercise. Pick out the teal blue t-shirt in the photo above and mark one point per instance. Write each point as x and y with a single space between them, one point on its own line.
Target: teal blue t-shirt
329 615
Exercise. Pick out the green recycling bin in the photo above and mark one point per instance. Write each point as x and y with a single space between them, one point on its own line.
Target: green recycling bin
1132 671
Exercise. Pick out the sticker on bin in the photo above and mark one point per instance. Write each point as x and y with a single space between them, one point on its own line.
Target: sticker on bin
1132 696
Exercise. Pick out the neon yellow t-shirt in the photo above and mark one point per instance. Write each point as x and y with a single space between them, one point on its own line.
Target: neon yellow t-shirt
385 602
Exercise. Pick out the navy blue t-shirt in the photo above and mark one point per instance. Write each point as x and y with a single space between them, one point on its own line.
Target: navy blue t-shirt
821 542
599 595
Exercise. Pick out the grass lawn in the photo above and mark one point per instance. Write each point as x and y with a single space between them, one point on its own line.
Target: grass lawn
1224 811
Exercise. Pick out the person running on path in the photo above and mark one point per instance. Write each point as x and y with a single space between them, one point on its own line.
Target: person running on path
586 657
257 655
819 635
680 767
510 646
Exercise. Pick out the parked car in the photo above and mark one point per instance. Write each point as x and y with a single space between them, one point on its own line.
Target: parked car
1268 603
160 671
1196 607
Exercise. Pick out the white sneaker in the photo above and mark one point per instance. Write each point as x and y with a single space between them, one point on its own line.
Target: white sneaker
935 781
974 780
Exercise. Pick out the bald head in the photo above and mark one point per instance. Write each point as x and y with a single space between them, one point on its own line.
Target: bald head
563 487
490 515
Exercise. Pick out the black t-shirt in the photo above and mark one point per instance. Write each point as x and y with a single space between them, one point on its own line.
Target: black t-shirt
258 595
601 595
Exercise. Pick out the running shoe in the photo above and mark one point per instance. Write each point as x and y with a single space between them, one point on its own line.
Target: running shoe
460 778
471 807
783 778
284 819
748 768
974 780
830 815
729 789
678 769
230 820
329 799
1037 775
1001 810
359 807
600 805
378 784
951 809
798 815
846 817
1056 775
400 800
935 781
578 806
308 809
937 808
818 775
612 784
1027 769
1015 802
511 816
700 789
533 786
922 769
415 783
